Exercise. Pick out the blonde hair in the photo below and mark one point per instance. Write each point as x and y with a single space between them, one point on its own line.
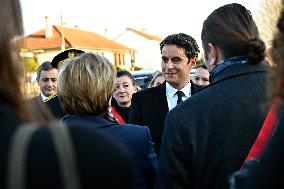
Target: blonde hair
156 75
85 85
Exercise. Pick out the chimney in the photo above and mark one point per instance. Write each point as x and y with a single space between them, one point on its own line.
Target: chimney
106 33
48 28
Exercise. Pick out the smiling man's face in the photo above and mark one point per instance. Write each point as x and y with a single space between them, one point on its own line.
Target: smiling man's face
176 66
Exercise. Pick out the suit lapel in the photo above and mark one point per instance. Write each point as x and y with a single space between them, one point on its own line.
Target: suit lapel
160 100
39 98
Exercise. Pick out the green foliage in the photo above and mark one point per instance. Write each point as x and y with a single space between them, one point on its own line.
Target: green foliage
119 68
200 61
30 64
136 68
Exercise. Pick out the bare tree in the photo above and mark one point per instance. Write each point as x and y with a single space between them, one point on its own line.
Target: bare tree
266 19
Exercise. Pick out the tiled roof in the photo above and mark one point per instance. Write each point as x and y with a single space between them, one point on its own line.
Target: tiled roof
144 34
74 38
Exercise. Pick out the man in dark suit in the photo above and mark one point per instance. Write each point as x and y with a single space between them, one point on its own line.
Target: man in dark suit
209 135
57 61
149 107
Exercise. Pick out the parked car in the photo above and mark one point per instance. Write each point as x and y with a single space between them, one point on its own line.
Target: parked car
192 72
143 77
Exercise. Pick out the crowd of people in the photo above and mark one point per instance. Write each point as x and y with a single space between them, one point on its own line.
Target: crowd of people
92 127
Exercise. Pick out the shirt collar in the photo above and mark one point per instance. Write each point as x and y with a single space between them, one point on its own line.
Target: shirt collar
172 91
43 97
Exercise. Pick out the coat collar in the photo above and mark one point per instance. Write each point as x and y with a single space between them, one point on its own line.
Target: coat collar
240 69
88 120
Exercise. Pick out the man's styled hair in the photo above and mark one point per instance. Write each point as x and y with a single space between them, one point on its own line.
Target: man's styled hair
45 66
232 29
85 85
184 41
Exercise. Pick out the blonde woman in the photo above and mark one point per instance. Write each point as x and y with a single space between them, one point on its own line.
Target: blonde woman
85 88
157 79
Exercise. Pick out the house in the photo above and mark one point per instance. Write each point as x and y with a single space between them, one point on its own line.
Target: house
48 42
146 46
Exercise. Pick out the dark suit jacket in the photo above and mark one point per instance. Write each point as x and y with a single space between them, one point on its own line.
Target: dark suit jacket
36 99
136 139
52 103
208 136
54 106
149 107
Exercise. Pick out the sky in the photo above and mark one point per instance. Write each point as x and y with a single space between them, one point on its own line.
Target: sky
156 17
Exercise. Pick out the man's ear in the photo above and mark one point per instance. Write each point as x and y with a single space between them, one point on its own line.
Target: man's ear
192 63
214 55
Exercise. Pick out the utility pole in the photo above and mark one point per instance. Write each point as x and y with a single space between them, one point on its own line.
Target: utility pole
62 33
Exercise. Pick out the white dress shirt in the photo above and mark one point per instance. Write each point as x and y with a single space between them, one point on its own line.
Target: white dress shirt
172 96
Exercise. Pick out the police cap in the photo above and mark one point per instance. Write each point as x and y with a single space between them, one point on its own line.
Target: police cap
59 59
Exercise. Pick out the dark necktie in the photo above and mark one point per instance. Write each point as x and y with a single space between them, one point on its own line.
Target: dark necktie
180 95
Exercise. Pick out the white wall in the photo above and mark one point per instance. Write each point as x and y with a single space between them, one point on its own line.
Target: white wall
147 54
46 56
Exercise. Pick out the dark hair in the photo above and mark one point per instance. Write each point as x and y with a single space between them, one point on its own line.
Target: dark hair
45 66
276 85
121 73
183 41
232 28
200 66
